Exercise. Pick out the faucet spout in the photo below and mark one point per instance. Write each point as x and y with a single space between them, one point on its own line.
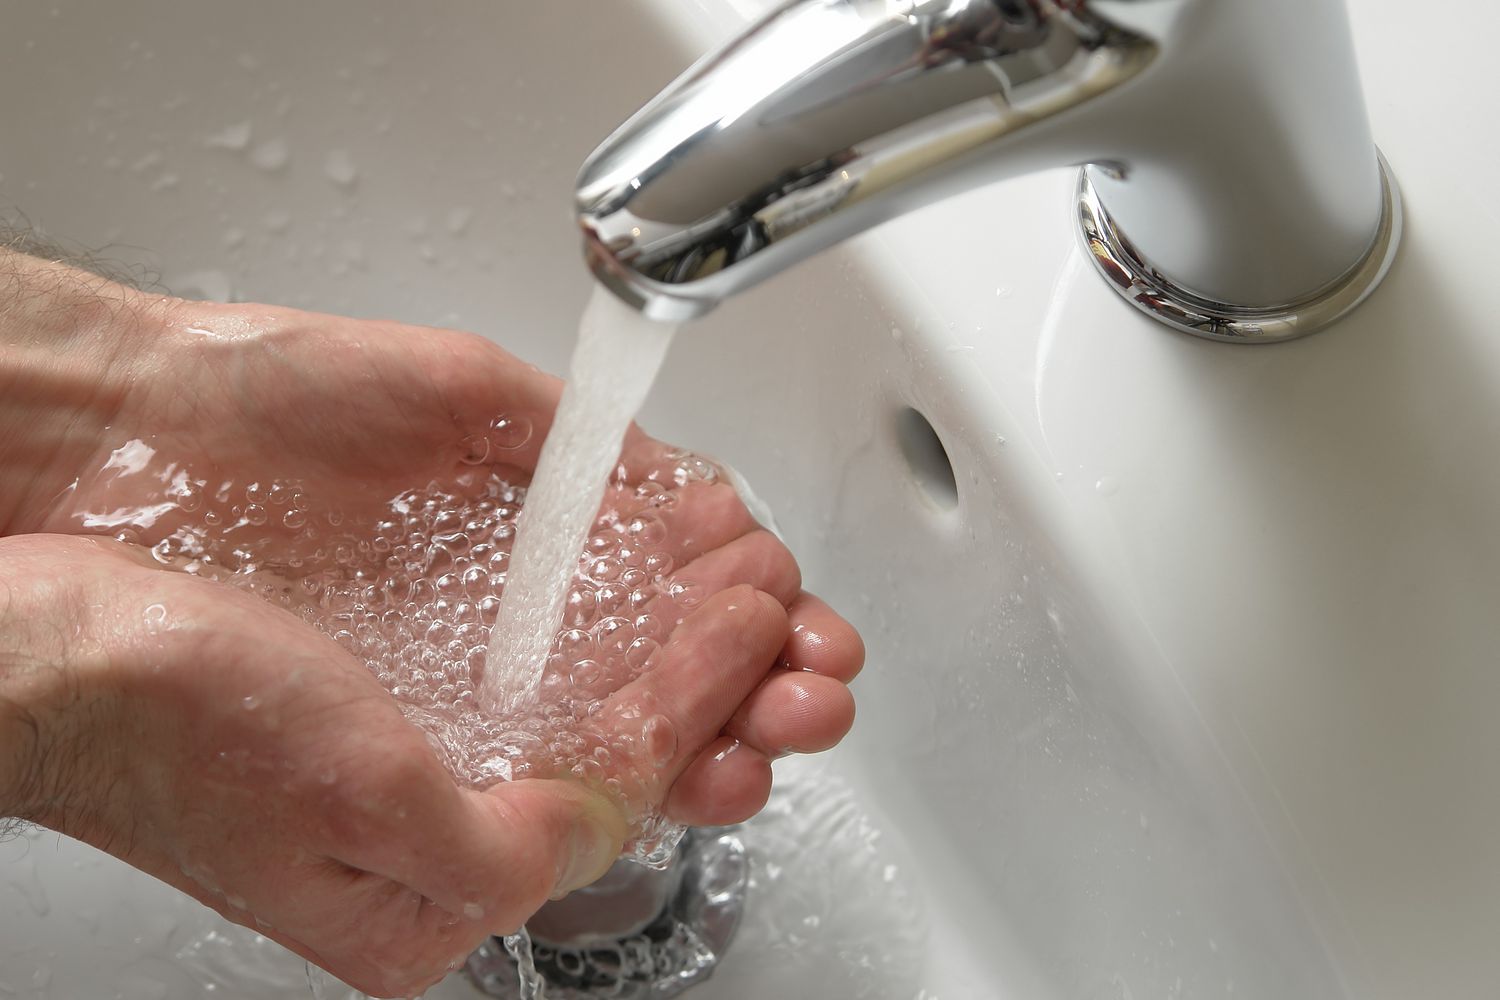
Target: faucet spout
832 116
827 118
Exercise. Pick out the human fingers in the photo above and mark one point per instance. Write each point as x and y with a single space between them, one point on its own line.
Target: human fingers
713 661
794 712
821 641
728 782
758 559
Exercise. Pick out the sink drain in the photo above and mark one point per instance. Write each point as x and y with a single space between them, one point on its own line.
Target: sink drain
669 953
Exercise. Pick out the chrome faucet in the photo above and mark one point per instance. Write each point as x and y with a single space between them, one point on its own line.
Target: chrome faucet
1230 186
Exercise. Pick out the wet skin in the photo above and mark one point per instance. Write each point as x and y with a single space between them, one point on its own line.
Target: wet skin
123 686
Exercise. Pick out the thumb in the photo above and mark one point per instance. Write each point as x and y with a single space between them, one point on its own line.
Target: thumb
549 837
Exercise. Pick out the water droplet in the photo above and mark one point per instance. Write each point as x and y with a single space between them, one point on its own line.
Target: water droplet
660 740
271 155
155 618
234 137
27 880
338 167
459 219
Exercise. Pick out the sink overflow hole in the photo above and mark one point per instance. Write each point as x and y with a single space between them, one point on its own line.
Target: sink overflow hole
927 457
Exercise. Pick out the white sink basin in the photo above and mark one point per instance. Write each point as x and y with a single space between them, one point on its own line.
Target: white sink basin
1181 686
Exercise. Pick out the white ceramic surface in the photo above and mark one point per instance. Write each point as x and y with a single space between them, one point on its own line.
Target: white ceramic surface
1187 692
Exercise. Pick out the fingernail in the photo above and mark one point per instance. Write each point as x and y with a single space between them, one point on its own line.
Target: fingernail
592 849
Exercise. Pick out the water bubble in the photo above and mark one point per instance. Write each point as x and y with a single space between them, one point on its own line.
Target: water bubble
412 589
686 594
611 599
693 469
582 603
476 449
648 530
603 544
586 673
510 433
575 645
605 570
640 652
189 496
614 635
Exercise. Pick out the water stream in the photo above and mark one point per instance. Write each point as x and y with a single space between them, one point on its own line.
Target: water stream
617 357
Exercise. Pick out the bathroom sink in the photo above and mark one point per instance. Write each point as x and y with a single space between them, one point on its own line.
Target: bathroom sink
1182 655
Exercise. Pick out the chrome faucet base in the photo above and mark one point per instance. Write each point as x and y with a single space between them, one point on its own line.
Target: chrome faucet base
1228 138
1166 301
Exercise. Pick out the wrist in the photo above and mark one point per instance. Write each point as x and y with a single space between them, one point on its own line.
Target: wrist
69 348
47 628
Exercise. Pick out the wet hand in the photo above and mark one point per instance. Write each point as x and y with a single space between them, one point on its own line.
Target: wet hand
214 741
355 411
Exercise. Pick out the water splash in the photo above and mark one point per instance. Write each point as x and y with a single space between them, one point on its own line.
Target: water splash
533 987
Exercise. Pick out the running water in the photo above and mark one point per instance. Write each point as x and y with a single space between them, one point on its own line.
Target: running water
533 986
618 354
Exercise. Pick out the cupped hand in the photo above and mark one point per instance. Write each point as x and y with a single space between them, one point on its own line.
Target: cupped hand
221 744
214 741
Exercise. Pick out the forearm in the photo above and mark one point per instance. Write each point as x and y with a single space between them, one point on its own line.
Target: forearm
19 752
67 338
